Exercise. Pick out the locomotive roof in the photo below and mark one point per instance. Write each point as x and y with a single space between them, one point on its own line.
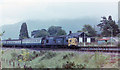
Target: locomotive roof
32 38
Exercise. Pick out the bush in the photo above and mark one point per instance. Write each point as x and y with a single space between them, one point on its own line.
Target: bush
69 64
14 55
86 57
119 44
97 61
67 56
2 52
29 57
35 54
41 53
19 57
49 55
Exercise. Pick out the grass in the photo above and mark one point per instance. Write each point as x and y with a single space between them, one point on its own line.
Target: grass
54 59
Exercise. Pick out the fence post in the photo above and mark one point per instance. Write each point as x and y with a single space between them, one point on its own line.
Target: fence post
4 60
13 64
18 65
10 62
25 66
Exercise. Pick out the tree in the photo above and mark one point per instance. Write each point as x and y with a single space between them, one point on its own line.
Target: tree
9 38
23 31
108 27
79 31
61 32
119 23
1 34
56 30
39 33
52 31
118 35
89 29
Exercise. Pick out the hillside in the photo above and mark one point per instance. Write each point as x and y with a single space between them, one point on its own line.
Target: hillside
12 31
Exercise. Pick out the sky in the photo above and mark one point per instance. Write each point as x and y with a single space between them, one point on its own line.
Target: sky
13 11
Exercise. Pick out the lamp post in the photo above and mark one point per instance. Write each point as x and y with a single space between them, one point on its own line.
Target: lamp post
111 36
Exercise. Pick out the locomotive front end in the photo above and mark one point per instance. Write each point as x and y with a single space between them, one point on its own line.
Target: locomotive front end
72 42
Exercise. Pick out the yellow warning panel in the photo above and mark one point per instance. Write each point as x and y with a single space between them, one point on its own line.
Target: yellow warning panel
72 41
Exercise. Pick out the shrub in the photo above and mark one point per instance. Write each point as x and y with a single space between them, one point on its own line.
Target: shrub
67 56
119 44
2 52
14 55
19 57
39 66
69 64
28 57
82 66
86 58
97 60
71 54
49 55
35 54
41 53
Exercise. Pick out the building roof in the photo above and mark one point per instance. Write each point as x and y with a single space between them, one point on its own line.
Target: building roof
104 39
78 34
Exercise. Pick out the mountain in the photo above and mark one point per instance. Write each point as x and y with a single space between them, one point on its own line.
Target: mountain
12 30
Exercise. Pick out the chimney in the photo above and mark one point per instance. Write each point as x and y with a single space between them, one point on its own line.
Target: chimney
70 32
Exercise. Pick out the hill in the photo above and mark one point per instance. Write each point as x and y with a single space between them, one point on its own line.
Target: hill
12 30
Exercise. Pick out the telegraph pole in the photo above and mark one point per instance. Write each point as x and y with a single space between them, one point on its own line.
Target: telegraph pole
84 38
111 36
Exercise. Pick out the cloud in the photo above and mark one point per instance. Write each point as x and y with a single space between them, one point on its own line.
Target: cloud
35 1
20 10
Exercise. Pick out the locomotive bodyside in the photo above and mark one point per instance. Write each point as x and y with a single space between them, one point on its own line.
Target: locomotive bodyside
53 41
59 41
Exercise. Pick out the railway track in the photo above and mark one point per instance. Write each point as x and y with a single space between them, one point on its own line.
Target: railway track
101 49
107 49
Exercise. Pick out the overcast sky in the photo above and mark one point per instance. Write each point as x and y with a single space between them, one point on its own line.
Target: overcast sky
13 11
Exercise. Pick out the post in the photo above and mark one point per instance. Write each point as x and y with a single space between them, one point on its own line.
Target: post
18 65
84 39
10 62
111 37
13 64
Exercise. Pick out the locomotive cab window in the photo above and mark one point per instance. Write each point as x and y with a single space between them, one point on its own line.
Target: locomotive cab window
47 41
55 41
